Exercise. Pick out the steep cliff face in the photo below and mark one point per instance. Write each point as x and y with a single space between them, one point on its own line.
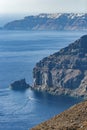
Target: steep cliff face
64 72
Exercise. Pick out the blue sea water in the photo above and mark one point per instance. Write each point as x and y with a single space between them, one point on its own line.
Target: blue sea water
19 52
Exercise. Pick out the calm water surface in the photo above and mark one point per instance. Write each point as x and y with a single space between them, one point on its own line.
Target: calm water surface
19 52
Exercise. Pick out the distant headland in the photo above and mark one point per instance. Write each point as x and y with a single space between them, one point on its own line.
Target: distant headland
58 21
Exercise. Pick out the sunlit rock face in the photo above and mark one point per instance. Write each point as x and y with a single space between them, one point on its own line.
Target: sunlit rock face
64 72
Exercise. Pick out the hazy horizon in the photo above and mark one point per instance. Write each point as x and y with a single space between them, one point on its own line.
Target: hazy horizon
42 6
11 10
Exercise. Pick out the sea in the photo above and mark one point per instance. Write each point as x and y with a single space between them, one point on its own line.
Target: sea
19 52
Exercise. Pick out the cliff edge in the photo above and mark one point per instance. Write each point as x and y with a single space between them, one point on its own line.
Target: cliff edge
74 118
65 72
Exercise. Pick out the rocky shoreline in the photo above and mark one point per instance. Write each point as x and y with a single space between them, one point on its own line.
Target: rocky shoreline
65 72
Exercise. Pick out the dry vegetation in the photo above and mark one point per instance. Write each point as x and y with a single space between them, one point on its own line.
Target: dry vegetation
74 118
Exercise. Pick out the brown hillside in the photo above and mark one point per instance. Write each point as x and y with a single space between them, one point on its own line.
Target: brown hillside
74 118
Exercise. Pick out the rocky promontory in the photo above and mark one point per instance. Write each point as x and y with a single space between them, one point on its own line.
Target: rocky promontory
74 118
65 72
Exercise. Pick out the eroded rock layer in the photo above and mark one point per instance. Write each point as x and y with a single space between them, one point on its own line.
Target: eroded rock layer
64 72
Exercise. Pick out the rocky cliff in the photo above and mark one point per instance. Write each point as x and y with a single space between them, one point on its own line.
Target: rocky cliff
59 21
65 72
74 118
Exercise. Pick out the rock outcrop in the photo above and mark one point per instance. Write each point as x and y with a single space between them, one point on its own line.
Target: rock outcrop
74 118
59 21
64 72
19 85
